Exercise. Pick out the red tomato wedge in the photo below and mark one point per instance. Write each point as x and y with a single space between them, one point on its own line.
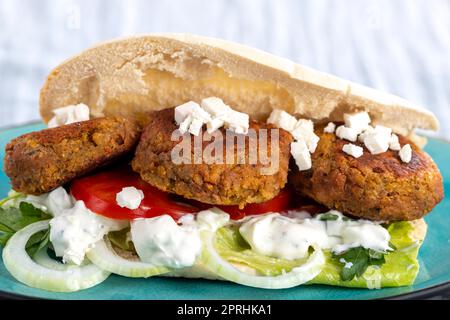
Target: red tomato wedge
98 191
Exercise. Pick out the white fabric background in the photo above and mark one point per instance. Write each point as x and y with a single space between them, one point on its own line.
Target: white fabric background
400 46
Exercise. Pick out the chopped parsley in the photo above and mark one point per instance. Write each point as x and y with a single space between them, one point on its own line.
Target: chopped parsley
357 260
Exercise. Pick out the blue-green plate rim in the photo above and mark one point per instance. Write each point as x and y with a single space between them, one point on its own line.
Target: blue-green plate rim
419 294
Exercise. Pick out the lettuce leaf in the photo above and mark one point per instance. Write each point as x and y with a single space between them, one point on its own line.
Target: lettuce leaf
399 269
14 218
233 248
122 240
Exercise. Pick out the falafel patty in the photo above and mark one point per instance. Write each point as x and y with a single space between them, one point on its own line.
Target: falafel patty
215 183
375 187
41 161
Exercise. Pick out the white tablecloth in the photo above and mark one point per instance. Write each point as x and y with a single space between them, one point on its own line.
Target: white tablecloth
400 46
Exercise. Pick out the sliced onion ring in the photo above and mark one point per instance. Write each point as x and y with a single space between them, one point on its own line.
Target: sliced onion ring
104 256
24 269
297 276
43 259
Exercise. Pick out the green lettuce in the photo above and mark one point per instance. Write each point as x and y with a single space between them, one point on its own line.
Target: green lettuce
399 267
233 248
16 217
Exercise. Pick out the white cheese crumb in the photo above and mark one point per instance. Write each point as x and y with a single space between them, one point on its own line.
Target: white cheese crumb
184 126
69 114
215 106
306 125
214 124
394 144
218 111
196 126
377 143
359 121
237 122
184 111
304 130
330 128
213 112
347 133
191 117
130 198
370 130
300 152
405 153
383 130
353 150
282 120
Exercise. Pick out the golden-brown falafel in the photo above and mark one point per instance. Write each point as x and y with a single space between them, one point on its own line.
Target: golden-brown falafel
39 162
375 187
219 184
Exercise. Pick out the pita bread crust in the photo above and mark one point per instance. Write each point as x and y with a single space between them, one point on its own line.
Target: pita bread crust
152 72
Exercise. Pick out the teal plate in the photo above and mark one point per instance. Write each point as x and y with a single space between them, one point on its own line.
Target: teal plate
434 260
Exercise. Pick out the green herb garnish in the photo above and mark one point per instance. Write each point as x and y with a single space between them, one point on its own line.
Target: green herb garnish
360 259
328 216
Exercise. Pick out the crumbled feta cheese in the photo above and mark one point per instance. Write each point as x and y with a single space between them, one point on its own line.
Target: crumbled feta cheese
353 150
130 198
377 140
185 110
302 157
222 115
306 125
215 107
185 124
191 117
196 126
282 120
330 128
405 153
377 143
214 124
359 121
347 133
214 113
394 144
383 130
69 114
237 122
370 130
304 130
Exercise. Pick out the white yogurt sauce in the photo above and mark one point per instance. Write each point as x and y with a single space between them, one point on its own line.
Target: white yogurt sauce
163 242
74 228
290 238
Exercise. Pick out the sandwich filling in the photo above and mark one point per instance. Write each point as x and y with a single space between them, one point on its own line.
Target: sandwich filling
208 192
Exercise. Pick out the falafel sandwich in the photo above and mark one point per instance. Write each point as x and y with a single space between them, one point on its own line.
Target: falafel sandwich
180 155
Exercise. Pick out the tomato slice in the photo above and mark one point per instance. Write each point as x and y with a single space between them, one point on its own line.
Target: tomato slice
98 191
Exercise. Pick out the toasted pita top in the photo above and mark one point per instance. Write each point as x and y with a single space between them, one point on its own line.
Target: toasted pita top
134 75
